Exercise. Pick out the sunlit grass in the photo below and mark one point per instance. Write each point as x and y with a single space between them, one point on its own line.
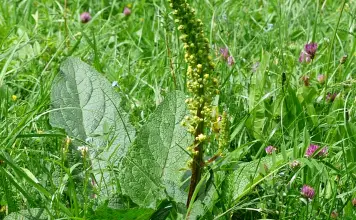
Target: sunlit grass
271 98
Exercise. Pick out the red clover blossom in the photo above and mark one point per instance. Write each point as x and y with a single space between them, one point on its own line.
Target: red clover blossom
321 78
305 80
308 192
313 148
334 214
294 164
224 53
126 11
269 150
230 60
308 53
85 17
343 59
331 96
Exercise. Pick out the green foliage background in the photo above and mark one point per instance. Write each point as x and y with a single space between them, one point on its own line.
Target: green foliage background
262 92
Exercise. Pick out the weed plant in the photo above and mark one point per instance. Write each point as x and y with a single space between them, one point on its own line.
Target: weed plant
99 136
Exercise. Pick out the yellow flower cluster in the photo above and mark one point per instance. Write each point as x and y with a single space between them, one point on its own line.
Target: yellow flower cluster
201 83
224 135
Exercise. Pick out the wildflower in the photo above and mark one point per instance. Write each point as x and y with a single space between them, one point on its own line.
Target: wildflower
321 78
269 27
295 164
83 150
354 202
331 96
308 53
255 66
114 84
323 152
230 61
224 53
93 182
313 148
304 57
68 140
343 59
334 215
307 191
269 150
126 11
85 17
311 49
305 80
217 124
224 134
201 137
14 97
224 17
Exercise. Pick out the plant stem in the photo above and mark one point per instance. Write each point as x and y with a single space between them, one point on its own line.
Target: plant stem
331 48
198 162
171 62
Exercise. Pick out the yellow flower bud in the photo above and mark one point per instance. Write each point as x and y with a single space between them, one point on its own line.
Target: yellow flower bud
183 37
180 27
14 97
201 137
186 56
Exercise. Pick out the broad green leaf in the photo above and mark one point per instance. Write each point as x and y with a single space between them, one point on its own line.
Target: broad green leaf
208 197
30 175
238 182
30 214
197 210
105 213
163 211
153 163
86 106
257 93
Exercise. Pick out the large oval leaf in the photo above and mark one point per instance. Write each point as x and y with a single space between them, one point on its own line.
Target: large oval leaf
29 214
86 106
151 169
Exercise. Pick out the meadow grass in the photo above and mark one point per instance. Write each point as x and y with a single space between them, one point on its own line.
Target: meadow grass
265 92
